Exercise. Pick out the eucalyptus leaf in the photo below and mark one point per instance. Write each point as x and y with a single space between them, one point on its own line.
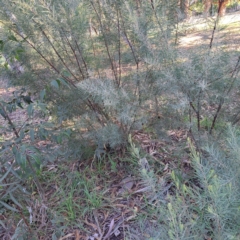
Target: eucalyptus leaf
42 106
55 83
12 38
33 149
23 148
23 160
42 94
30 110
14 150
1 45
43 133
63 82
15 174
59 139
2 224
18 157
8 207
9 190
36 158
54 237
11 107
15 200
6 148
66 73
31 133
17 57
21 135
18 140
20 50
5 175
8 184
6 66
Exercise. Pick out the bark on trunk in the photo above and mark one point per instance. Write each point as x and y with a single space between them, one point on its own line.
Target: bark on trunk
207 6
222 4
184 6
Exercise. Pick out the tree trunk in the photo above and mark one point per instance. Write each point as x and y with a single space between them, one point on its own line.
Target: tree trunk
184 6
222 4
207 6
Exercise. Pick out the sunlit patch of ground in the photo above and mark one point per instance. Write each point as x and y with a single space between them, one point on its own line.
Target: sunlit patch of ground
201 30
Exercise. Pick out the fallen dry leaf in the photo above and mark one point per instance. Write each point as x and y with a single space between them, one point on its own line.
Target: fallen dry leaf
90 224
126 185
77 235
67 236
166 167
109 233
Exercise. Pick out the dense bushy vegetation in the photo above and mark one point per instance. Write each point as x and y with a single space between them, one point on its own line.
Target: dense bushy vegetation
100 71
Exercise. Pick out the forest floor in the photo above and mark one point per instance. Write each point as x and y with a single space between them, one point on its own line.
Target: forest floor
106 198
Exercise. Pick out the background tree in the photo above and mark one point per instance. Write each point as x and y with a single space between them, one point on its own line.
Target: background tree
222 5
185 8
207 6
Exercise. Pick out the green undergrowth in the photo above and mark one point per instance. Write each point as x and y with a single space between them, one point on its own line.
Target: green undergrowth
119 140
202 200
182 196
73 190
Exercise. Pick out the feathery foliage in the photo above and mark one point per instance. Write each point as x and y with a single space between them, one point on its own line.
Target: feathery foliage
103 68
203 203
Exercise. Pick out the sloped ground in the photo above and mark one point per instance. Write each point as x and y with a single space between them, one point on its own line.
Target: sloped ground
102 199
